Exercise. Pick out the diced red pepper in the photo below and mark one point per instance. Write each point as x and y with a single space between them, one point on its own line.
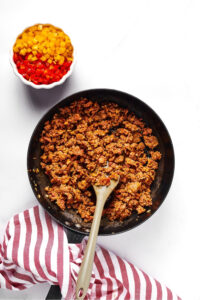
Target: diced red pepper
40 72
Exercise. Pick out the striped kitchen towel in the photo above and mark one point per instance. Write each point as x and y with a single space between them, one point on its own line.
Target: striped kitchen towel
35 249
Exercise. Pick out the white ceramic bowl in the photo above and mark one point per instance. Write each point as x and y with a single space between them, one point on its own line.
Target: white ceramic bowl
43 86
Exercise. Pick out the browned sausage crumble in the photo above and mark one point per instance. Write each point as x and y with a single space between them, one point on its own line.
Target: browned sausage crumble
87 143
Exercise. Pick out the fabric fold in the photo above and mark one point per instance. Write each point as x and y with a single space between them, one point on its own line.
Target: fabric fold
35 250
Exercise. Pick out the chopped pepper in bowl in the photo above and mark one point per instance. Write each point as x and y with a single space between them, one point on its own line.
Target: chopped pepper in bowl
43 55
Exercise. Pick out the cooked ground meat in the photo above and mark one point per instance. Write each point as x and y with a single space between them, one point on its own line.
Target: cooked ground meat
87 143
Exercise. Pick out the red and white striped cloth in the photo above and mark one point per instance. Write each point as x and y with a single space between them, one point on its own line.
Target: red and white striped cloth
35 249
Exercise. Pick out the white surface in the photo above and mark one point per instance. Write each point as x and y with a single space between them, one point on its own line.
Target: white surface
150 49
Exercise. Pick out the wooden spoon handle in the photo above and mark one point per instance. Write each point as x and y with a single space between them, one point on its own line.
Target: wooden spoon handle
85 271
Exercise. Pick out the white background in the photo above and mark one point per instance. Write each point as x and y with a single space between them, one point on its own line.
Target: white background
150 49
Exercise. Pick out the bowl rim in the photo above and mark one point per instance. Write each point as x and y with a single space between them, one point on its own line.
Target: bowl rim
42 86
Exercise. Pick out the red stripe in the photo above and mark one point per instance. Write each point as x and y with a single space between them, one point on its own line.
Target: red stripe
69 292
3 249
111 272
7 233
21 276
136 281
49 246
124 276
72 272
38 244
101 274
60 256
80 250
28 240
8 264
70 255
74 283
169 294
159 290
70 284
120 287
98 285
148 286
17 230
10 284
71 259
76 274
27 220
71 250
4 243
90 287
1 253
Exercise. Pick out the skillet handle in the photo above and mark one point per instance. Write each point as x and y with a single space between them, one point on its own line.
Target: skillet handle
74 237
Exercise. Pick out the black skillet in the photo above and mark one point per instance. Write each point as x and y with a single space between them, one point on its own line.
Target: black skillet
76 228
160 187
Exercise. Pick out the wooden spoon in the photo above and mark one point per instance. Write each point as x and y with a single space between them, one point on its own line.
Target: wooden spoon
102 194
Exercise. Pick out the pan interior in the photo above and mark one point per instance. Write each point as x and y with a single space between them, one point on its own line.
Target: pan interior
159 189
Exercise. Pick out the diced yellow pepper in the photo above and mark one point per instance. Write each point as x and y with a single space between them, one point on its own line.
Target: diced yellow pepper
54 45
23 51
